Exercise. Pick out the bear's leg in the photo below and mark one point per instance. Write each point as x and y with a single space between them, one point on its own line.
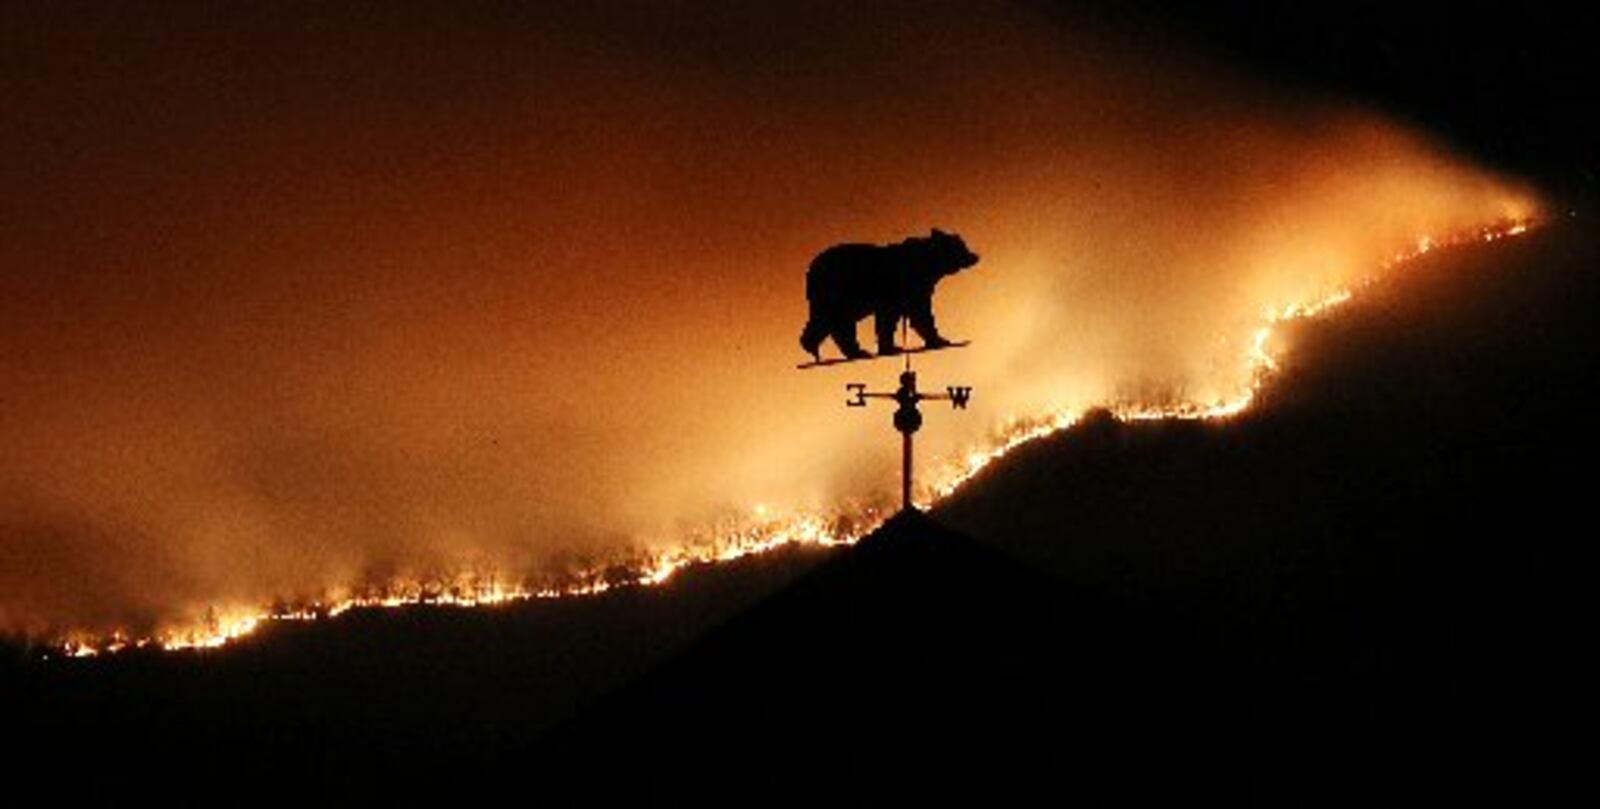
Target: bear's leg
922 323
844 336
812 336
884 324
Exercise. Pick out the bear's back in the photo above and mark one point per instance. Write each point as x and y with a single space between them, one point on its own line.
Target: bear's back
854 255
858 272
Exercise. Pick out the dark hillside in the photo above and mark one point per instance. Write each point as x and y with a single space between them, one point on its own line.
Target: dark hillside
1395 543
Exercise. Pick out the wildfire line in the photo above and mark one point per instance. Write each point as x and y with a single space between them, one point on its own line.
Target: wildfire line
842 528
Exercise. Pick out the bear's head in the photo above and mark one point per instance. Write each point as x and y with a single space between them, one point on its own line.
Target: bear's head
947 253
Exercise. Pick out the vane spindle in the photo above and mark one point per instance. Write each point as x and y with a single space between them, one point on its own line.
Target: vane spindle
907 417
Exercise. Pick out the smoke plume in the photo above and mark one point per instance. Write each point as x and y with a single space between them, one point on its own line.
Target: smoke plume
298 297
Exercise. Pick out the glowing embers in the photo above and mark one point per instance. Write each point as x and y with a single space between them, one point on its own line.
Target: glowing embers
646 569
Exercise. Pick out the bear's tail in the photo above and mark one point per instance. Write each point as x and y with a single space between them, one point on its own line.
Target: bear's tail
811 338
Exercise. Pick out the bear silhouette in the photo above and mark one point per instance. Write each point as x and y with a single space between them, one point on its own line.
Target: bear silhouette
847 282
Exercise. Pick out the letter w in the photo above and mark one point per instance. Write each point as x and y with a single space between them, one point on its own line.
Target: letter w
959 396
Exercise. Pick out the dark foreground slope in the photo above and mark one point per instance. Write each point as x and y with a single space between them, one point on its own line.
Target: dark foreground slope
920 665
1372 589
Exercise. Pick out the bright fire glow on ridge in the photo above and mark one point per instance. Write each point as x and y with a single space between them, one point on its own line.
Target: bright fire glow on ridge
843 527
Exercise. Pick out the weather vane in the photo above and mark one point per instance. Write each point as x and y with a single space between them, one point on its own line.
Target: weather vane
894 284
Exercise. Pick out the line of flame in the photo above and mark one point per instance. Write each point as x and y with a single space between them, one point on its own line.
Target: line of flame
645 569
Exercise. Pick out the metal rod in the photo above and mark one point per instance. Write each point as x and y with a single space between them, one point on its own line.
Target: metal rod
905 472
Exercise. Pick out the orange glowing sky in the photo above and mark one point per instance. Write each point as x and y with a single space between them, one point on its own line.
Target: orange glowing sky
301 298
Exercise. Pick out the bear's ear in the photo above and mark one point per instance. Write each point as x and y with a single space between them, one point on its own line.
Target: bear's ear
937 233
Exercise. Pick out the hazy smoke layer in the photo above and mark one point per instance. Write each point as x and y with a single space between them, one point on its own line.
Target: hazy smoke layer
294 297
